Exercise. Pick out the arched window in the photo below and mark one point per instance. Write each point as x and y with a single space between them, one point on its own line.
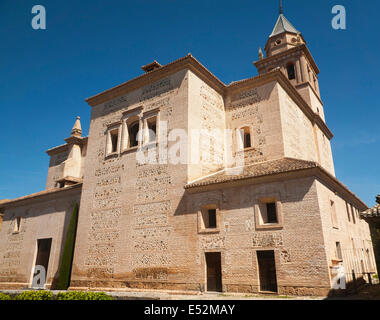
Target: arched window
245 135
133 130
291 71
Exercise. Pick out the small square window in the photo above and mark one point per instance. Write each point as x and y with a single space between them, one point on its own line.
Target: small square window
268 213
208 219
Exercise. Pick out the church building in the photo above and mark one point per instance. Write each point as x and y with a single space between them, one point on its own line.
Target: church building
151 217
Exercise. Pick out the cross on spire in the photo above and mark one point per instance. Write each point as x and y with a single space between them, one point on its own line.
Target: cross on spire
281 7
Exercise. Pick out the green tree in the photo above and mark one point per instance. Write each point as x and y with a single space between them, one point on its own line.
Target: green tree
68 252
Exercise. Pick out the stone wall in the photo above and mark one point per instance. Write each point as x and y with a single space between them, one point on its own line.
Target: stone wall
348 229
127 209
206 114
258 109
42 217
301 264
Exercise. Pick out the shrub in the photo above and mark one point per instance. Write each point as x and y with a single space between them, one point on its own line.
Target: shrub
4 296
35 295
79 295
376 276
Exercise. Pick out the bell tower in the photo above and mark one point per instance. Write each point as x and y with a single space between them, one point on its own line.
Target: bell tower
286 50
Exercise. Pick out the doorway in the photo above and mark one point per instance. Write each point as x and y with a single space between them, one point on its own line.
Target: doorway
42 259
214 271
267 271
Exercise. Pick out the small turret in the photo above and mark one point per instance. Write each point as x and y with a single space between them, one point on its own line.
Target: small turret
261 55
66 161
77 129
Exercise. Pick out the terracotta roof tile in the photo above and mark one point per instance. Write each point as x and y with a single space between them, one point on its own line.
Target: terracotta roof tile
255 170
41 193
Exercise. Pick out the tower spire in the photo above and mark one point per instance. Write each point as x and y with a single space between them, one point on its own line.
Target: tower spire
281 7
77 129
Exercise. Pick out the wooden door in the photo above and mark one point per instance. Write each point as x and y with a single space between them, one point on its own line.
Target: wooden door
267 271
214 271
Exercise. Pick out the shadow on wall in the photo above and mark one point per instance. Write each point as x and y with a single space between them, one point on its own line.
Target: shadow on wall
353 288
375 235
239 197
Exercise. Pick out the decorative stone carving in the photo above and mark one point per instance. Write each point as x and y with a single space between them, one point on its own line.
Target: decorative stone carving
267 240
156 89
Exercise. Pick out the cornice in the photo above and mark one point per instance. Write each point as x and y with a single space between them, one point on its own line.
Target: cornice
301 47
64 147
295 95
339 187
58 149
187 62
308 84
277 75
75 140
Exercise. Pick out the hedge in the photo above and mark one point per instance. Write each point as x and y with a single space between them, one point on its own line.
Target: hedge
35 295
48 295
4 296
77 295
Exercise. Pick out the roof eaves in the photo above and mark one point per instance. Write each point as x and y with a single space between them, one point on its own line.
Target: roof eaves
41 194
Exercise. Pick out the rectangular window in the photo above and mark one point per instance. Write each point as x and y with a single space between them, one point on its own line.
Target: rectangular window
271 213
212 218
353 213
113 143
114 139
268 212
247 137
348 212
334 217
208 219
133 130
339 251
17 224
152 129
247 140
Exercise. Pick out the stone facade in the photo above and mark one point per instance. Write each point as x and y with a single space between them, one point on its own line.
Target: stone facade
142 224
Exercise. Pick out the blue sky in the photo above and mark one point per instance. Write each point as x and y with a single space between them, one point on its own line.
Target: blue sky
90 46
